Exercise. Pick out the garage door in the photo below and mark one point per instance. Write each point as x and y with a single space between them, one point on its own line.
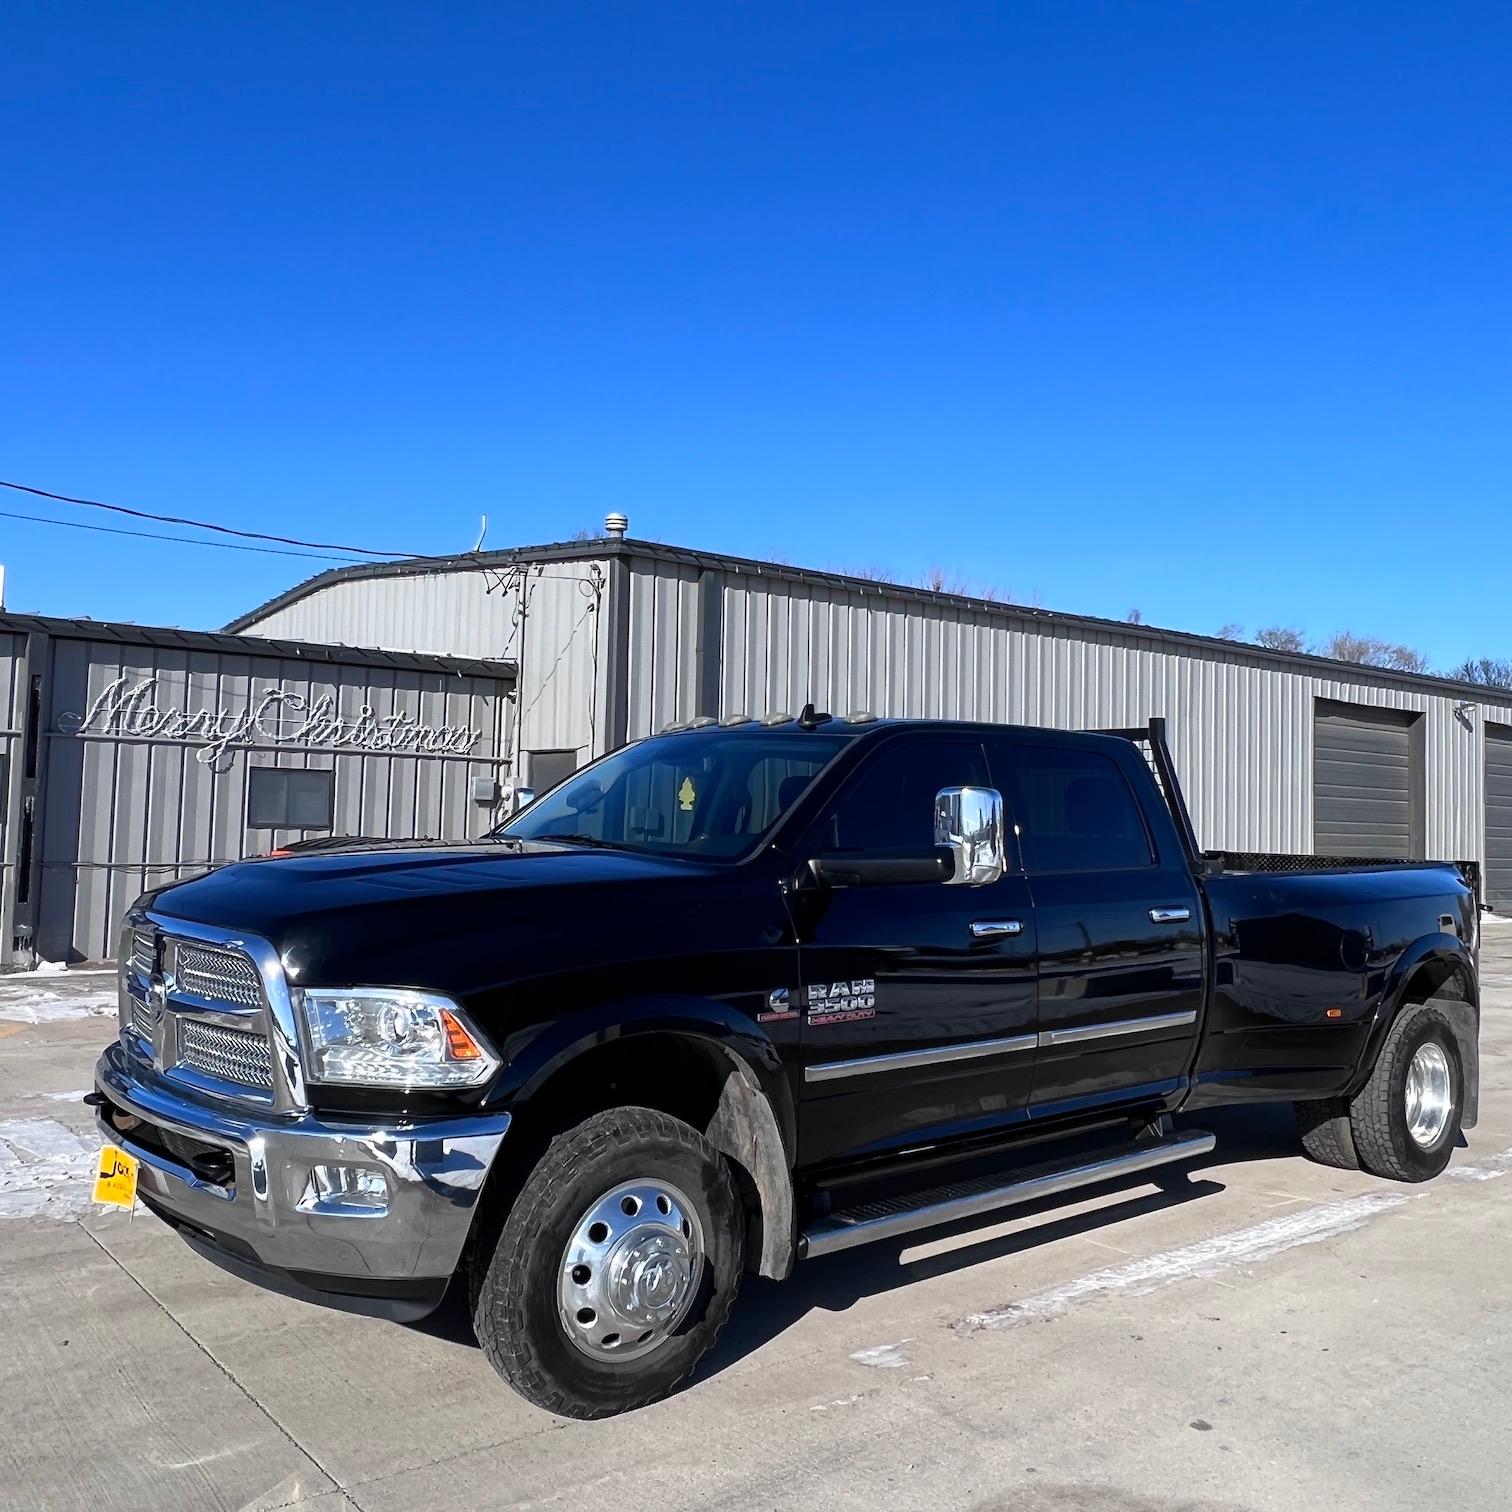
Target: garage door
1367 782
1499 817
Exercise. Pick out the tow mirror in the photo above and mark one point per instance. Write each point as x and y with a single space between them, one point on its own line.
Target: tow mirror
969 824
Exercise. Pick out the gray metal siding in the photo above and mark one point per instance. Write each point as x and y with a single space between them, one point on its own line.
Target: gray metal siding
12 704
559 639
1499 817
1241 723
1367 783
122 813
1241 726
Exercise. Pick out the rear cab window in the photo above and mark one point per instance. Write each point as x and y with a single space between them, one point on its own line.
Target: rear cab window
1073 808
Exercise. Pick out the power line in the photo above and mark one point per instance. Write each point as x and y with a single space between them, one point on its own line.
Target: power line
253 535
153 535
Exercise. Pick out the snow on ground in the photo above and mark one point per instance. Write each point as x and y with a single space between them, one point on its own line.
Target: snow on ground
29 997
46 1170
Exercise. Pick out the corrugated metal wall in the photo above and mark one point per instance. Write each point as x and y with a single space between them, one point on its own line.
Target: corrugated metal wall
1241 730
12 703
558 643
123 812
1240 724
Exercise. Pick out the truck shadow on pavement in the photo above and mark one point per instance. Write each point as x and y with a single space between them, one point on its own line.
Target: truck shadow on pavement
767 1309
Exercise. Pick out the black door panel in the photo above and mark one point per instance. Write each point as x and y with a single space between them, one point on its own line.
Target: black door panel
944 1039
1121 939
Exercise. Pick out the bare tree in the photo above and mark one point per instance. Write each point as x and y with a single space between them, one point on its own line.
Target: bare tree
1231 631
1489 672
1367 651
1281 638
1134 617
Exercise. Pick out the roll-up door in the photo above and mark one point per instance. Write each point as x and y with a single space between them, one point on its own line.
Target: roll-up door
1499 817
1367 782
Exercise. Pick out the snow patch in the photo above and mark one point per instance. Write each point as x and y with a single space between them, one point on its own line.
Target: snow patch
1262 1241
1491 1168
46 1170
883 1356
49 1005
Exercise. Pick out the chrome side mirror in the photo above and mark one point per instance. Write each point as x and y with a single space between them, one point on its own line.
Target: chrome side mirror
969 824
519 797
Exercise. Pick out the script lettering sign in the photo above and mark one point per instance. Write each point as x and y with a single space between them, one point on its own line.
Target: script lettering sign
275 716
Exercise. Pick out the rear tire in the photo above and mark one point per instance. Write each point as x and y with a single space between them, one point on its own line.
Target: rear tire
1323 1127
615 1267
1406 1119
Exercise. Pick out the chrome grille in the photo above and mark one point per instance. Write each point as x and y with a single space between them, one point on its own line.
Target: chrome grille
231 1055
223 976
142 1018
143 951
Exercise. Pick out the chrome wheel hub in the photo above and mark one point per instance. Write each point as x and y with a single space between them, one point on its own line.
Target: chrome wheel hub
630 1270
1429 1095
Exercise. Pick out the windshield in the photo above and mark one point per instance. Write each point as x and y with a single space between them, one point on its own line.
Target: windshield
712 795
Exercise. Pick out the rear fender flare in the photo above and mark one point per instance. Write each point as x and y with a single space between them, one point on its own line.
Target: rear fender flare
1436 953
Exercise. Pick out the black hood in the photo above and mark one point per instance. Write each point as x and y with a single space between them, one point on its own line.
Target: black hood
372 913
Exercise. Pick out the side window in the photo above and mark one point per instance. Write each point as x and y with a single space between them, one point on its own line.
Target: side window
1074 809
889 804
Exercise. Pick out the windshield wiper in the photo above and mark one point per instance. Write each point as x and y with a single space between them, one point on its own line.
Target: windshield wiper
591 840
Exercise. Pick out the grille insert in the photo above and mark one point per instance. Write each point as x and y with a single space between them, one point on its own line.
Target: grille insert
232 1055
142 1018
224 976
143 951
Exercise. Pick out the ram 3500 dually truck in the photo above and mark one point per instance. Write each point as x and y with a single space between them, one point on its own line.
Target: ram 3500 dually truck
748 992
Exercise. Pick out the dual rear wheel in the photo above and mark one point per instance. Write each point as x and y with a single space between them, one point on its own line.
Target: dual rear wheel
1405 1121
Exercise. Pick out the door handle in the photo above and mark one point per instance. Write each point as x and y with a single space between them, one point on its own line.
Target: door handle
995 929
1170 915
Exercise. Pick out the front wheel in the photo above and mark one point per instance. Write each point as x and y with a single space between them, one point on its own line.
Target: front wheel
615 1268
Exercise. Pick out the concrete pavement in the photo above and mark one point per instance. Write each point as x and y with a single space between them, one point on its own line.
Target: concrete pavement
1267 1333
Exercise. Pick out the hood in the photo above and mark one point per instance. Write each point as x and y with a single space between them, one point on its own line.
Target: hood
378 914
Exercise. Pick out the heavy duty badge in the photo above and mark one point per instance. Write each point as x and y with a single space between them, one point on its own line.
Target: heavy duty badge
841 1002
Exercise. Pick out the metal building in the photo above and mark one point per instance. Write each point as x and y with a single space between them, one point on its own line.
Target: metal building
616 638
131 755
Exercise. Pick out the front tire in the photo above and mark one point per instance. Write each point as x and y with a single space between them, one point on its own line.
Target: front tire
615 1268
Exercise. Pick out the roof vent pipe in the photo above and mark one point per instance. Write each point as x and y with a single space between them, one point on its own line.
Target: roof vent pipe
615 526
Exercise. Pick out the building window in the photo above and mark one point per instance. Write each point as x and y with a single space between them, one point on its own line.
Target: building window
282 798
548 768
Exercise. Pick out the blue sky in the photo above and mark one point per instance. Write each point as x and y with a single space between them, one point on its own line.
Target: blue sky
1200 309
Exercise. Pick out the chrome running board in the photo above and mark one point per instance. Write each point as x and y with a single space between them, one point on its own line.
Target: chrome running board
871 1221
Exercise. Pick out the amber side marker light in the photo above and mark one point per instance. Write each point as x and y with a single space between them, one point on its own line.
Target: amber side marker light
459 1043
1334 1013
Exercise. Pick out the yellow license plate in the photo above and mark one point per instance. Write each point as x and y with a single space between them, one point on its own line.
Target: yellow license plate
116 1178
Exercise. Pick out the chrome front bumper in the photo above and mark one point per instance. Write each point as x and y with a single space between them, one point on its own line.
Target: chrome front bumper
266 1217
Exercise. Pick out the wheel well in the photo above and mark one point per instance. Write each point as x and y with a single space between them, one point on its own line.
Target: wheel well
694 1080
1450 989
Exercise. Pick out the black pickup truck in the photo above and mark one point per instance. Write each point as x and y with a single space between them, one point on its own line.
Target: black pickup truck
744 993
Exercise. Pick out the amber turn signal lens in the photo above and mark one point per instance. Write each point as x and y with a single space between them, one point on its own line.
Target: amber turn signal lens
460 1044
1334 1013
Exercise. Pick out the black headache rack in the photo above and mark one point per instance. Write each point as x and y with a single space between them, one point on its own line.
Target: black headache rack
1151 741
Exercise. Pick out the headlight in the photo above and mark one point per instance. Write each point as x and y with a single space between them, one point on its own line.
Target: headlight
391 1037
